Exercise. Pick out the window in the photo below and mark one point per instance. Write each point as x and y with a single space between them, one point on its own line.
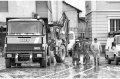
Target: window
114 24
3 6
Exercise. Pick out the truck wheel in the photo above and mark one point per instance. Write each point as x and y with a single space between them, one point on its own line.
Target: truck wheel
58 58
116 61
109 61
8 63
13 62
43 63
62 54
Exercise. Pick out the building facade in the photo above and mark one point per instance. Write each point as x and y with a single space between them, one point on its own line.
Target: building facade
26 8
73 15
101 18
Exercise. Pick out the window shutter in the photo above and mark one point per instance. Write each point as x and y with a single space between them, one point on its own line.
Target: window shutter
112 25
117 24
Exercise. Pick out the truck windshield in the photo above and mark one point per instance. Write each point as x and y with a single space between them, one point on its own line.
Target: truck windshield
25 27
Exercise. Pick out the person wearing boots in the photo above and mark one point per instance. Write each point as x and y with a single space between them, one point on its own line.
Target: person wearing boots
96 49
86 49
76 55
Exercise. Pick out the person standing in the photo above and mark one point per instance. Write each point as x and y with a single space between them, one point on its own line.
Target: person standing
51 45
96 49
76 53
86 47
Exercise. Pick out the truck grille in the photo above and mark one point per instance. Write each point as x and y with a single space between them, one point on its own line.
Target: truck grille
24 47
23 57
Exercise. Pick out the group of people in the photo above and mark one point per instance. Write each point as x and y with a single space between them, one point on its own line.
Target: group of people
82 47
85 48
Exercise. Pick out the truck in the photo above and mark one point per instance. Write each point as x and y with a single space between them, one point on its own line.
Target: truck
113 50
26 42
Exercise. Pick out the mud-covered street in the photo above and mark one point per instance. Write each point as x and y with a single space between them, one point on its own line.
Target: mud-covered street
61 70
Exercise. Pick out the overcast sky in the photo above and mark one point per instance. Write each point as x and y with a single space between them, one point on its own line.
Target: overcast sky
80 4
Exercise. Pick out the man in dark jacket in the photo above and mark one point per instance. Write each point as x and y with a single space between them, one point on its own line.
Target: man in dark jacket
86 51
76 53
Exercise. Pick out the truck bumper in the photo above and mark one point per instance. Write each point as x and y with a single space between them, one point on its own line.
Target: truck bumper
25 57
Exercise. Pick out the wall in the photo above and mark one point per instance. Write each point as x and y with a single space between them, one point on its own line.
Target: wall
82 26
18 9
100 18
25 9
108 5
72 16
97 17
97 14
42 9
100 24
56 10
88 5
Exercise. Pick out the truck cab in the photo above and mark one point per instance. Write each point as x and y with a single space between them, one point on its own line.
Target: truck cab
113 49
26 42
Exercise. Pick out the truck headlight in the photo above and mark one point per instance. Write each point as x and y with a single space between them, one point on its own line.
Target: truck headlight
9 55
39 55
